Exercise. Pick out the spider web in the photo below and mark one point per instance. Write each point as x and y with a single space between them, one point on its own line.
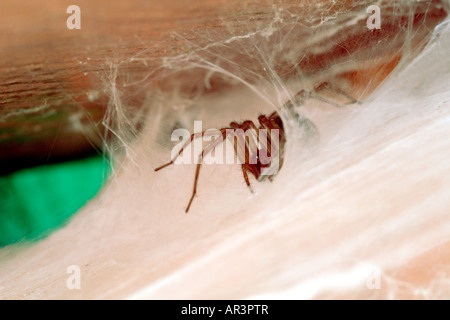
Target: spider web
398 71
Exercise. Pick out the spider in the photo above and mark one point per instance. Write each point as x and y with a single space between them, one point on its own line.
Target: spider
252 162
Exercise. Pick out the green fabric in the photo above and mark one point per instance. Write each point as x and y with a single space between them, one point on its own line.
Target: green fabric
36 201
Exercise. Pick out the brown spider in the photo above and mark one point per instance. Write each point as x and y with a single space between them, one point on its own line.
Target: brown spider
252 161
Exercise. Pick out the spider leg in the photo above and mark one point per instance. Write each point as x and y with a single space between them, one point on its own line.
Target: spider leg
268 124
274 119
194 191
239 143
244 147
315 96
205 151
249 125
299 98
276 123
332 87
303 95
193 136
244 171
